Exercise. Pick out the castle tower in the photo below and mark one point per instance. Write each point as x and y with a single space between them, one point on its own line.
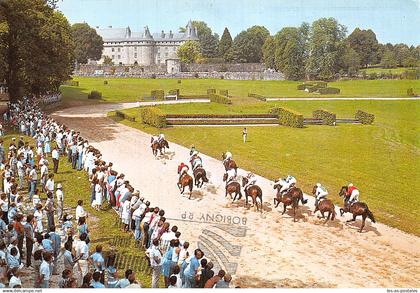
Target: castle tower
147 49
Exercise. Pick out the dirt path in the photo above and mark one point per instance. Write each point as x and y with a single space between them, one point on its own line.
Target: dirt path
261 249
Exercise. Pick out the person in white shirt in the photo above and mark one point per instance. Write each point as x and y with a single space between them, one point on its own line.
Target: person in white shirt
155 257
44 175
49 186
82 253
80 211
60 200
56 158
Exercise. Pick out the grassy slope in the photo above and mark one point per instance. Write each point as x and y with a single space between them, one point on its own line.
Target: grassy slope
104 225
378 70
382 159
133 89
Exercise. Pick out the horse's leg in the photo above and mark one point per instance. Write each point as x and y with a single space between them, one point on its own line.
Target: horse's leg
363 222
322 213
352 220
246 199
294 213
284 209
341 212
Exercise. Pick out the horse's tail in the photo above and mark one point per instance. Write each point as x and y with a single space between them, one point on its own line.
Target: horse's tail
205 179
370 215
190 184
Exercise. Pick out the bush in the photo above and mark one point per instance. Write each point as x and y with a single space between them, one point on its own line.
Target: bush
153 116
364 118
312 89
410 74
224 93
215 98
258 97
154 76
321 84
410 92
329 91
288 117
105 82
158 94
179 81
173 92
196 75
193 97
211 91
125 116
95 95
373 75
328 118
301 87
222 77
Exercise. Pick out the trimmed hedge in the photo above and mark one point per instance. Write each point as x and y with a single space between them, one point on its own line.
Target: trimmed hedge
301 87
71 83
95 95
257 96
224 93
329 91
193 97
288 117
125 116
410 92
215 98
211 91
227 116
173 92
327 117
158 94
153 116
364 117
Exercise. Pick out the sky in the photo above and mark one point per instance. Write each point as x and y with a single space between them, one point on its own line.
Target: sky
393 21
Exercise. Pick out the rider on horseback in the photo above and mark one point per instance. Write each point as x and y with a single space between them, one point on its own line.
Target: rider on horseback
192 150
231 175
154 139
182 169
228 156
161 138
195 160
252 180
287 183
320 193
352 194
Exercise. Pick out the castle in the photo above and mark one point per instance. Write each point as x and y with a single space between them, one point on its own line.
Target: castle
125 47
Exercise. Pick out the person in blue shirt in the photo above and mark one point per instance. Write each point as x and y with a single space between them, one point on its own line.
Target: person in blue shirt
47 243
191 270
111 271
166 263
12 258
124 282
98 262
96 280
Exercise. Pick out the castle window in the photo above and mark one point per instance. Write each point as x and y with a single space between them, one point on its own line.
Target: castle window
119 49
135 48
112 49
135 55
119 56
113 56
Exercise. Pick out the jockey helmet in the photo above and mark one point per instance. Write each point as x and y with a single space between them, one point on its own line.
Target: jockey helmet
351 185
318 185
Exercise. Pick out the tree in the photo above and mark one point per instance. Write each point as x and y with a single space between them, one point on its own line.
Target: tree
402 53
388 59
350 61
325 48
290 52
189 52
365 44
88 44
268 50
39 47
3 31
248 44
225 43
108 61
208 41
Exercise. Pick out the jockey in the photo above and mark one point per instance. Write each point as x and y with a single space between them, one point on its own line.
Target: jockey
252 179
231 175
228 156
182 169
154 139
353 193
192 150
320 193
161 137
195 160
287 182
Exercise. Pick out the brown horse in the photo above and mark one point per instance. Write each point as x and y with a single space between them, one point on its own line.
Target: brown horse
159 146
325 205
254 191
232 187
186 180
163 144
292 196
357 209
229 164
200 176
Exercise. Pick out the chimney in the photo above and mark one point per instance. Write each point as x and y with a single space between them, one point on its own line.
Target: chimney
97 26
171 35
162 35
110 26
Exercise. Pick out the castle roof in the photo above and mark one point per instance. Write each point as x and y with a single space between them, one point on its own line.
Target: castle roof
125 34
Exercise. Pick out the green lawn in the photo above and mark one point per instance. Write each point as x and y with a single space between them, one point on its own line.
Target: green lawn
378 70
133 89
104 228
382 159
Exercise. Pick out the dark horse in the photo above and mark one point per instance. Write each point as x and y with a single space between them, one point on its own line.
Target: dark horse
186 180
323 206
159 146
357 209
200 176
232 187
292 196
254 191
230 164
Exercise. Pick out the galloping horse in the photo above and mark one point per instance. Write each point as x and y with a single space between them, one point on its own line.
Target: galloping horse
200 176
325 205
232 187
159 146
292 196
253 191
230 164
186 180
357 209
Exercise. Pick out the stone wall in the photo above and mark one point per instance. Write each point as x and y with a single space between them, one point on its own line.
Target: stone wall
224 67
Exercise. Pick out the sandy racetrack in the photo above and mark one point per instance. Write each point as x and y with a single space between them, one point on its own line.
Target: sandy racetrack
261 249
